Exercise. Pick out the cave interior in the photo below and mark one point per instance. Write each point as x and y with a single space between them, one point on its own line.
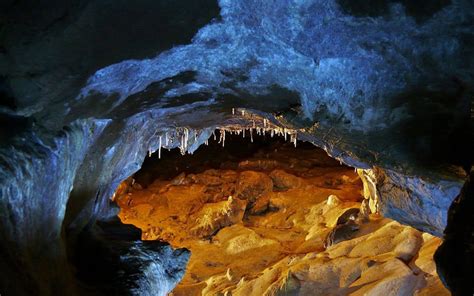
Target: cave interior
241 147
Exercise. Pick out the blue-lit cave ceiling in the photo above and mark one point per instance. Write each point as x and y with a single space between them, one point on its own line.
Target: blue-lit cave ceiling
87 88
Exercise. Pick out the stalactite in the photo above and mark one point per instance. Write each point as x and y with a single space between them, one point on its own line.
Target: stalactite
159 148
293 138
222 137
262 126
184 141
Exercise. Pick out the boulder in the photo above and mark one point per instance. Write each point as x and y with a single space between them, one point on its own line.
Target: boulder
284 180
251 185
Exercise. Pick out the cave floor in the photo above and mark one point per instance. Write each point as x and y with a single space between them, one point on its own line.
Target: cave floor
276 221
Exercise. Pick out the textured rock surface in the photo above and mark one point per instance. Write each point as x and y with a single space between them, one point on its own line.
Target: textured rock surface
88 87
111 259
307 241
416 201
251 185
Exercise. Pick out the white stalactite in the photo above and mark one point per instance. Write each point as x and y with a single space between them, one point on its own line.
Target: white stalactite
159 148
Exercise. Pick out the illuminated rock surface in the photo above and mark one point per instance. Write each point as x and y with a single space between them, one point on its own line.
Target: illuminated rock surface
306 238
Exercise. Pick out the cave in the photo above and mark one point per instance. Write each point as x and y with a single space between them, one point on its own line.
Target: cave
162 147
261 216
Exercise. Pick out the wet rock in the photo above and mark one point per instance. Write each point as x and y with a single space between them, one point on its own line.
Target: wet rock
392 275
261 205
209 177
414 200
245 240
404 242
426 263
259 164
331 251
364 211
341 233
333 200
214 216
284 180
179 180
183 200
113 260
349 215
251 185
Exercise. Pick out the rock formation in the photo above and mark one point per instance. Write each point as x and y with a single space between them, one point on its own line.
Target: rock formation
89 88
304 238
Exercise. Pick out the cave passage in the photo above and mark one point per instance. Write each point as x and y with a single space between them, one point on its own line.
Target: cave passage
268 218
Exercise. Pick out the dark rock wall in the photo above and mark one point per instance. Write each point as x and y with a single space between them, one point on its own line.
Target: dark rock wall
455 257
112 259
36 177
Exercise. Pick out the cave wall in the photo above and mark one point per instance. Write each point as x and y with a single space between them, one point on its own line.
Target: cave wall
417 201
37 176
88 86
